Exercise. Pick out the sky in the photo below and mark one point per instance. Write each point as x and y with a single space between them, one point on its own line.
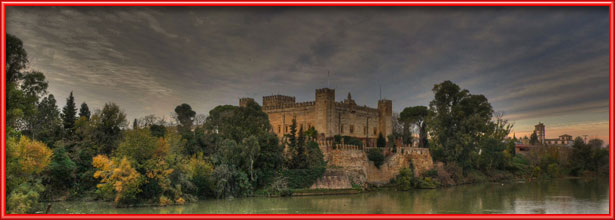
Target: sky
540 64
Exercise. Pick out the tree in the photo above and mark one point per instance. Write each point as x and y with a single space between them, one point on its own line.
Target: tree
68 115
16 58
228 122
108 123
46 124
457 120
315 158
138 146
291 137
119 180
61 169
581 156
25 160
415 115
534 138
84 111
23 88
299 158
185 117
381 142
250 153
595 143
376 156
158 130
311 134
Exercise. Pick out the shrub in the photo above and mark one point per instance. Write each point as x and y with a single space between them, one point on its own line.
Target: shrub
302 178
431 173
404 180
376 156
427 183
553 170
23 198
118 180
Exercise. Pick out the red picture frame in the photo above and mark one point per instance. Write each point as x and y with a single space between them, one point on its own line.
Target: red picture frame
3 102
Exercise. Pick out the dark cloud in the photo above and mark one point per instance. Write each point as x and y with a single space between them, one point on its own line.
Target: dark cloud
534 64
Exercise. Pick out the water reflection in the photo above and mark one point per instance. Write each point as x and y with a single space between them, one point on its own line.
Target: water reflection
556 196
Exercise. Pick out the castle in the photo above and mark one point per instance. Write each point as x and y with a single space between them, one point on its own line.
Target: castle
328 116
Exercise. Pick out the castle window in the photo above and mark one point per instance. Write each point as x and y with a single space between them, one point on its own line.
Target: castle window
309 125
374 130
365 130
279 129
301 127
285 129
342 130
351 129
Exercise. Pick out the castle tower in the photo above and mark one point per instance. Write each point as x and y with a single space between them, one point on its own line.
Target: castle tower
324 105
243 102
540 132
385 117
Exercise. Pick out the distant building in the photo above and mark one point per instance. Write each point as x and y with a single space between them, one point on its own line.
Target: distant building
563 140
540 132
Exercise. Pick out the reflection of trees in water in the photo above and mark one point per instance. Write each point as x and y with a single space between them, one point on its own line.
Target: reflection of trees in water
575 195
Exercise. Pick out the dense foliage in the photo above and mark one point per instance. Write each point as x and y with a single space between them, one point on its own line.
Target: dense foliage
375 155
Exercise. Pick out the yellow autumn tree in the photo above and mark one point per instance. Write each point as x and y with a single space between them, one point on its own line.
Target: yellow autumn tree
25 160
119 180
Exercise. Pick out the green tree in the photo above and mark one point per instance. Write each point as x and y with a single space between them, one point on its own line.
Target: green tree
299 154
376 156
84 111
109 124
311 134
250 151
23 88
46 124
61 169
16 58
315 158
581 156
228 122
138 146
457 120
185 117
416 115
534 138
595 143
69 113
158 130
381 142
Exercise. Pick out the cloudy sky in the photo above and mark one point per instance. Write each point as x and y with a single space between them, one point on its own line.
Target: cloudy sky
533 64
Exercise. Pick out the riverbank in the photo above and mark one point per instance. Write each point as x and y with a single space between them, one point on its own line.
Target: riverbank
554 196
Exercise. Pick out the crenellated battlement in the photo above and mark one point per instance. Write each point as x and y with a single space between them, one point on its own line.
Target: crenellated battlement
276 100
289 105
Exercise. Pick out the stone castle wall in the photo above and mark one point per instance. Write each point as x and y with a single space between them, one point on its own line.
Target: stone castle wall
351 165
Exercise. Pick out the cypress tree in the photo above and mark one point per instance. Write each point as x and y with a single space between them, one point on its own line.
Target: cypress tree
68 114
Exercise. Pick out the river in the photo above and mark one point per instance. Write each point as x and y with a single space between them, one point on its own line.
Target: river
559 196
